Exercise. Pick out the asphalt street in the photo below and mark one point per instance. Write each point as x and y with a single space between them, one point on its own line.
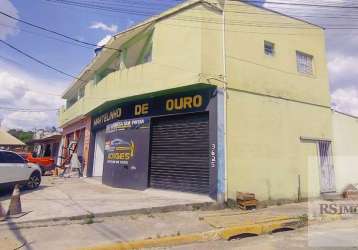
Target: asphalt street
341 235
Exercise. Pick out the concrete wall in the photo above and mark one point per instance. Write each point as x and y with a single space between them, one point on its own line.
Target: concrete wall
248 67
180 48
271 105
345 148
265 152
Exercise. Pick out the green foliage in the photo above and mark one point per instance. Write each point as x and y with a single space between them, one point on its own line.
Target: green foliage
23 136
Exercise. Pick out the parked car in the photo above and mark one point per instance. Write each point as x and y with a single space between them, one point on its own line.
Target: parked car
16 170
45 163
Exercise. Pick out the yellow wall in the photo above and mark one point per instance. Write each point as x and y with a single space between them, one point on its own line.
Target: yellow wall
265 152
250 69
182 52
345 148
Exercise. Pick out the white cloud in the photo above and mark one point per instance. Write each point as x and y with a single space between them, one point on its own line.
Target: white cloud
343 70
342 64
346 100
12 88
104 41
8 26
108 28
29 120
19 90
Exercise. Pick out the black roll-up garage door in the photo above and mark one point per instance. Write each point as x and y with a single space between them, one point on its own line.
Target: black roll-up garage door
180 153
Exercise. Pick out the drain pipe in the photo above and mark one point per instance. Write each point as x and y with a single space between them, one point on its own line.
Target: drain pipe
223 79
225 100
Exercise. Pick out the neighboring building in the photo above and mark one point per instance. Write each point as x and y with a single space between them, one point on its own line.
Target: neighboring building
10 142
76 137
345 135
45 133
207 98
45 151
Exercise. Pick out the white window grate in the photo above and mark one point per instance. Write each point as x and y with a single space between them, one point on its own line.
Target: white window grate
304 63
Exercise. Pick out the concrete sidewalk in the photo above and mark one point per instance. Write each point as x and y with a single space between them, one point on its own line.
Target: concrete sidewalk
59 198
154 229
231 224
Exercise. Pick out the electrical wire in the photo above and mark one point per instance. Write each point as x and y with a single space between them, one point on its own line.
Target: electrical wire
43 35
19 109
38 60
355 7
206 20
54 32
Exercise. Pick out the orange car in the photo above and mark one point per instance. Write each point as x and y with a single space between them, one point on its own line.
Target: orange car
45 163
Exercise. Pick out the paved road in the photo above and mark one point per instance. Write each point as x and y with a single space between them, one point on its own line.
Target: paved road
334 235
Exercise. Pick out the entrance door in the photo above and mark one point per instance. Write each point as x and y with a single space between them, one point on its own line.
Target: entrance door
99 153
180 153
327 168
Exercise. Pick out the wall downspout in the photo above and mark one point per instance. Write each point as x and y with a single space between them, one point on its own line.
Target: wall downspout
225 101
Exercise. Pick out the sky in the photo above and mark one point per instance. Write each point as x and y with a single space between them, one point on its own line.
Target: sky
25 84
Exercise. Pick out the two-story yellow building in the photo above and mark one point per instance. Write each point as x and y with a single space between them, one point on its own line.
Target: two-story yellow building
208 97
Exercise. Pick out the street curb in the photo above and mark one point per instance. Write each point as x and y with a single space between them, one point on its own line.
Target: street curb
13 225
160 242
225 234
264 227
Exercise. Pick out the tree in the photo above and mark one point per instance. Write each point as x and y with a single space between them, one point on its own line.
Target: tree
23 136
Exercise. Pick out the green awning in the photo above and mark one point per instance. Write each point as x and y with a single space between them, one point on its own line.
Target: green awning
115 103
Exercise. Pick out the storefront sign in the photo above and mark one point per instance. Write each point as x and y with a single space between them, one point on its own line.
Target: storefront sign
126 154
107 117
184 103
193 101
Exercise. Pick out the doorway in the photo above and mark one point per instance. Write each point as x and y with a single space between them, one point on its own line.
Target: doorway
99 153
327 181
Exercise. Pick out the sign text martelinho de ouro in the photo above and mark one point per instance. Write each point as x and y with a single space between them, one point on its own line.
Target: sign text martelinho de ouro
178 103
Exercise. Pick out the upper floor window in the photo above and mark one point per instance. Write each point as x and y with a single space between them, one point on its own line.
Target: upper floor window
81 92
269 48
304 63
147 57
71 101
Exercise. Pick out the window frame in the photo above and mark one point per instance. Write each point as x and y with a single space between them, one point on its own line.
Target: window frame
302 66
271 53
7 160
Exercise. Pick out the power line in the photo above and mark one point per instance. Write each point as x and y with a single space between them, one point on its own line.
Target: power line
39 61
200 19
54 32
355 7
45 36
19 109
196 19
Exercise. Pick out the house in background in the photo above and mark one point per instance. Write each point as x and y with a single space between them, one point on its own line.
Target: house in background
9 142
45 151
207 98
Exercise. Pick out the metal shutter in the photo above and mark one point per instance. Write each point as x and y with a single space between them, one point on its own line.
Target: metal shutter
180 153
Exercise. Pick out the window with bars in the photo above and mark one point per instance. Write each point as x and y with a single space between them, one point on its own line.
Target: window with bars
269 48
304 63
